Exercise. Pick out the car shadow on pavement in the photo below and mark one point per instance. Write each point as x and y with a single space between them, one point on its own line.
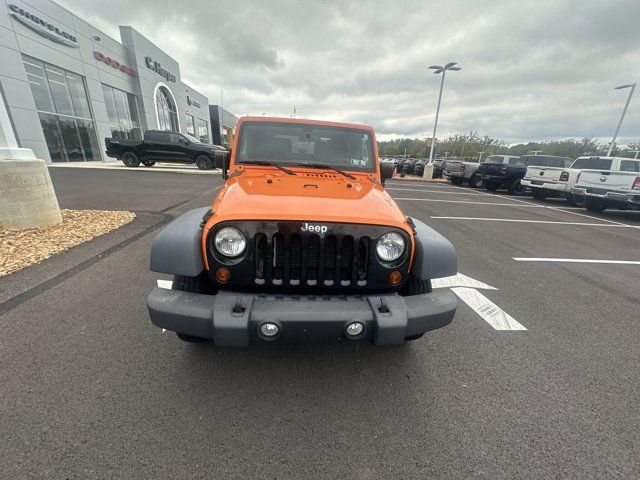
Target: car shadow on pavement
342 374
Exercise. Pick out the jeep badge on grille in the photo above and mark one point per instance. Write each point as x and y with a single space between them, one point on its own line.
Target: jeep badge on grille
307 227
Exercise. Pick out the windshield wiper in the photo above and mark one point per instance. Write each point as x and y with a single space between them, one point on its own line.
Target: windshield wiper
268 164
327 167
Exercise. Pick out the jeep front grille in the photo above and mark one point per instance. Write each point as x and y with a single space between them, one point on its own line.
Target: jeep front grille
283 256
303 259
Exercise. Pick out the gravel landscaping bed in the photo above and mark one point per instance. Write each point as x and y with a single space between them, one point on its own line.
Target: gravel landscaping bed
21 248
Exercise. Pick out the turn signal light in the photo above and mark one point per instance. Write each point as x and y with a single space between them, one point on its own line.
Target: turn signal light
564 177
223 275
395 277
636 184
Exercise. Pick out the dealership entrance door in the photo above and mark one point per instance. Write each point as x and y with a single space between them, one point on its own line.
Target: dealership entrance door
63 107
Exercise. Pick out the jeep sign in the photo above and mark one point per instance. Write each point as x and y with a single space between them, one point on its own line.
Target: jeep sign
307 227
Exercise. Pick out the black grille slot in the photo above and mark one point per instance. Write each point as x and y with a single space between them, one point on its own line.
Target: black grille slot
260 243
346 259
278 256
330 252
295 258
313 259
307 259
362 259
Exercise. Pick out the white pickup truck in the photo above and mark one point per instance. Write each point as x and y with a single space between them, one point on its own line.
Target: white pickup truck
557 181
614 188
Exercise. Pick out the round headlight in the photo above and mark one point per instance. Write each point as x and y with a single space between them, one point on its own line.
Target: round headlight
230 242
390 246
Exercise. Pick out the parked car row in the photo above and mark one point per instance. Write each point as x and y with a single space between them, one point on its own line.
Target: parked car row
415 166
597 183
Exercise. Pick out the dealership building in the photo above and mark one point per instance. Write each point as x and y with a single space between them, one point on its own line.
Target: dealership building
67 85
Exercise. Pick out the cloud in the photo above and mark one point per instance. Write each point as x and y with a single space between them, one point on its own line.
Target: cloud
531 69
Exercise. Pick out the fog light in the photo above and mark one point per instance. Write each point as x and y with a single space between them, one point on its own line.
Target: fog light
223 275
395 277
354 329
269 329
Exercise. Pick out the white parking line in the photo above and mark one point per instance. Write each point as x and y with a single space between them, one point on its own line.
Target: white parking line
560 209
459 280
576 260
470 202
420 184
489 311
517 220
439 191
168 284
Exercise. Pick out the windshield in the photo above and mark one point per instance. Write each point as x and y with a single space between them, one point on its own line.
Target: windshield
191 139
494 159
592 163
543 161
295 144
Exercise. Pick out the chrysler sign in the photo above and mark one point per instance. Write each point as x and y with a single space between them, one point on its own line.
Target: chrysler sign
42 27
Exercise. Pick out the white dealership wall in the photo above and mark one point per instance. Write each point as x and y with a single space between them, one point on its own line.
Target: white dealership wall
17 39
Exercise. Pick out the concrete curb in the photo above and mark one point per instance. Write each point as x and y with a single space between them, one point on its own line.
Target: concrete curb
122 168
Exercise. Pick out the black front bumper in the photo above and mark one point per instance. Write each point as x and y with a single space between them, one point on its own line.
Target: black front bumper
492 178
234 319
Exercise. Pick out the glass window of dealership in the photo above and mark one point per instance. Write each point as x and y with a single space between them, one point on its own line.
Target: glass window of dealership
86 86
63 107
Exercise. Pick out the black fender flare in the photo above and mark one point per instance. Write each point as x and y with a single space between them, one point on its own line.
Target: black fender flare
434 256
177 249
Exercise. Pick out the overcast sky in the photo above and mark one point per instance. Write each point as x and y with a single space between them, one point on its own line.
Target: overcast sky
531 69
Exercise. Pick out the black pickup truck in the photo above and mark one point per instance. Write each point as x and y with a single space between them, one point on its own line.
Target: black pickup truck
160 146
499 175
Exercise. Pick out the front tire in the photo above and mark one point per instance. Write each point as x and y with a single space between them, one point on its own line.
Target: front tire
594 205
415 286
457 180
575 200
197 284
538 194
411 338
516 188
204 163
476 182
130 160
190 339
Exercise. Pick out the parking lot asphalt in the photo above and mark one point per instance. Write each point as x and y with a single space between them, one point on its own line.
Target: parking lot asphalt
90 389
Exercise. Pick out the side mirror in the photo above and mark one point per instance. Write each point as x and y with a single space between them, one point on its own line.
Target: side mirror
183 140
386 170
221 161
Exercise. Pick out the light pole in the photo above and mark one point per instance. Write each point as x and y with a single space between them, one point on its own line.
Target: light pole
632 86
437 69
480 157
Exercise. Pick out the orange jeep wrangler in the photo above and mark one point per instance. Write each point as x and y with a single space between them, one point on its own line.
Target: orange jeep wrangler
302 243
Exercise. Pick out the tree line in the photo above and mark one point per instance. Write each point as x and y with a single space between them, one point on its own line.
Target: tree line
468 147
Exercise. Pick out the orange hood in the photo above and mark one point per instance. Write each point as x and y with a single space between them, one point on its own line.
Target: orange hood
318 197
